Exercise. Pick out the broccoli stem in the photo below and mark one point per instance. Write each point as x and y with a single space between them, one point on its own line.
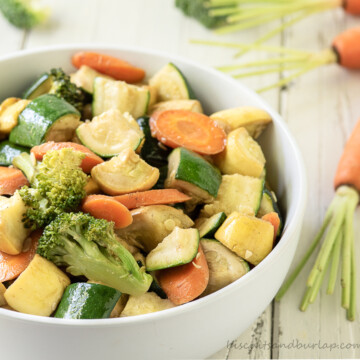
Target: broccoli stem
26 164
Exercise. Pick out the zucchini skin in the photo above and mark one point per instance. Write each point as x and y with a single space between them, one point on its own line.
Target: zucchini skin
37 118
8 151
41 86
151 152
196 170
87 301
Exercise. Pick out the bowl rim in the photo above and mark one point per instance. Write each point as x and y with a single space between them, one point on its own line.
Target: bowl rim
226 291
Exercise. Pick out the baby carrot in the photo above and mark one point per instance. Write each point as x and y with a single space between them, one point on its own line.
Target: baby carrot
347 47
152 197
188 129
88 162
348 170
106 207
352 6
109 65
11 266
185 282
338 234
11 179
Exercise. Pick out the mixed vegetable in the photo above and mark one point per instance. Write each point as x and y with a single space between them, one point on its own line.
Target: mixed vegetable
120 197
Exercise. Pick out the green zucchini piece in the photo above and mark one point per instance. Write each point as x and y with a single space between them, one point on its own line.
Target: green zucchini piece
224 266
178 248
208 227
110 133
40 87
113 94
8 151
46 118
87 301
153 152
269 204
193 175
171 84
236 193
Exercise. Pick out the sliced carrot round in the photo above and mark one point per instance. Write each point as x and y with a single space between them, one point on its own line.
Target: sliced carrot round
347 46
106 207
11 179
352 6
194 131
152 197
109 65
11 266
88 162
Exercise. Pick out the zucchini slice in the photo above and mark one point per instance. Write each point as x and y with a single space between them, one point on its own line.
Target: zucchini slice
178 248
87 301
8 151
247 236
153 152
110 133
40 87
242 155
115 94
236 193
268 204
208 227
145 304
10 110
193 175
151 224
181 104
85 76
125 173
46 118
171 84
224 266
255 120
38 289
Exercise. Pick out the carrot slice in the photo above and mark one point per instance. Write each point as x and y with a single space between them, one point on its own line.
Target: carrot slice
88 162
348 170
109 65
11 179
188 129
106 207
152 197
11 266
185 282
352 6
274 220
347 46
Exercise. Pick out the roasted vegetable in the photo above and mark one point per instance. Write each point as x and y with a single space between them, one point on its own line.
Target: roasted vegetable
88 246
56 185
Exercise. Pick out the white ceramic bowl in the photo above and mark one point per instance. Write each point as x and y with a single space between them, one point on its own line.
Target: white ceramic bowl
194 330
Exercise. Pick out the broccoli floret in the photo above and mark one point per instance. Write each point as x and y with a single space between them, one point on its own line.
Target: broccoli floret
89 247
56 185
62 87
198 10
24 14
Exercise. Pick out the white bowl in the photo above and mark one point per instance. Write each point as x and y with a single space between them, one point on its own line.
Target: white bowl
194 330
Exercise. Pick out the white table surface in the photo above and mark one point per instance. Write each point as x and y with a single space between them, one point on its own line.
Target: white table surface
320 109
